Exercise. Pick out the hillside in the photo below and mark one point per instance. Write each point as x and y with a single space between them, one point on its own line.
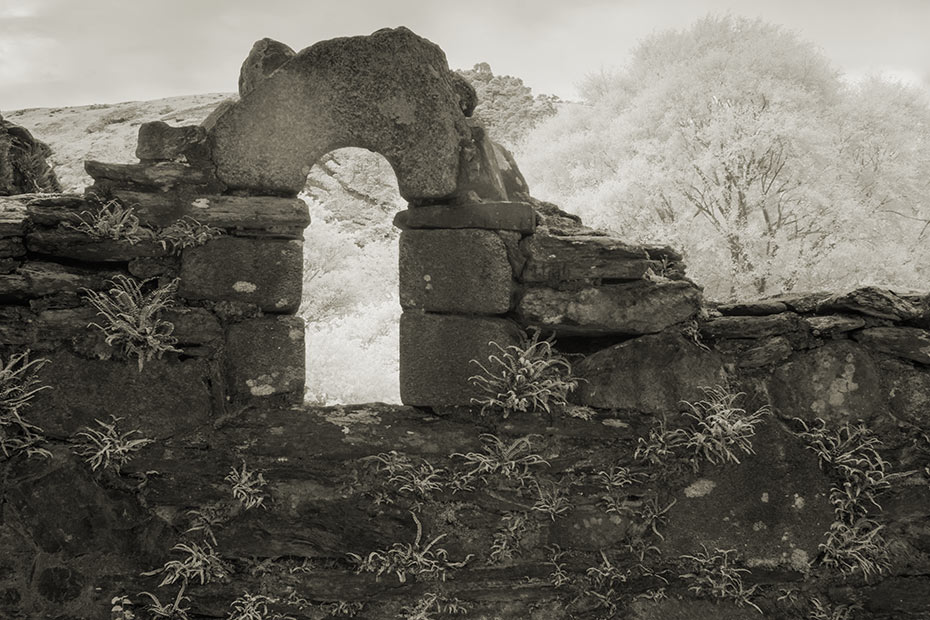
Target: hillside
105 132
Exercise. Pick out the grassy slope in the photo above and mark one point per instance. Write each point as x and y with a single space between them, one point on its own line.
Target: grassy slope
105 132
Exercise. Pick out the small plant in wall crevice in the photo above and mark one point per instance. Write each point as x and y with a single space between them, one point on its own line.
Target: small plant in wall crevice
19 383
530 376
248 487
132 317
713 575
108 447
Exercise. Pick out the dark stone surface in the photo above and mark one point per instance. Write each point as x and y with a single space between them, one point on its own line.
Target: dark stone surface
159 141
23 165
910 343
266 56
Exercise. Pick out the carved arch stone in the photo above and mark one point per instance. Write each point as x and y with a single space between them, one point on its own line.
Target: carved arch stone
391 92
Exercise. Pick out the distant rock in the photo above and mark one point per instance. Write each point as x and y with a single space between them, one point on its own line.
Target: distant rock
23 168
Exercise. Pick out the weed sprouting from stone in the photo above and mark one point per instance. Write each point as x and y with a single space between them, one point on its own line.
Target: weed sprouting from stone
714 576
431 603
254 607
405 559
19 383
247 487
199 562
552 499
659 447
342 609
605 576
825 611
420 480
107 447
132 316
113 221
169 611
512 461
506 539
530 376
558 577
204 520
185 233
722 427
855 541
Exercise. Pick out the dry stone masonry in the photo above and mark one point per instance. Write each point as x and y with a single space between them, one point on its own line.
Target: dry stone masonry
429 510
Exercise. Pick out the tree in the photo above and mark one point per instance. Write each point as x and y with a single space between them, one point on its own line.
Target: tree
727 140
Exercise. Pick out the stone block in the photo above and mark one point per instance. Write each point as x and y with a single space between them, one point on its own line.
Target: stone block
872 301
265 357
632 308
764 326
650 374
907 389
457 271
80 246
516 216
264 272
436 352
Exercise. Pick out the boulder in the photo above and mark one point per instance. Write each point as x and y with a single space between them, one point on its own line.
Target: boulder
266 56
633 308
650 374
460 271
838 382
907 389
786 323
23 165
910 343
391 92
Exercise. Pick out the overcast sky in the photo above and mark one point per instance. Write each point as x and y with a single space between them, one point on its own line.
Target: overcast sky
76 52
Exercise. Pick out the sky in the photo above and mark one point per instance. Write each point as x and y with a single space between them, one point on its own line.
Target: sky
56 53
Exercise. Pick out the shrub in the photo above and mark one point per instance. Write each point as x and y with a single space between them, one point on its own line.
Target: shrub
132 317
525 377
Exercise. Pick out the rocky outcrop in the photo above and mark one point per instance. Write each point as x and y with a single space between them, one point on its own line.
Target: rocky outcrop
266 57
23 165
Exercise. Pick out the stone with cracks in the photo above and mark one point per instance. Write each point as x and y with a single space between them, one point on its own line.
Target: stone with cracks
632 308
460 271
651 374
391 92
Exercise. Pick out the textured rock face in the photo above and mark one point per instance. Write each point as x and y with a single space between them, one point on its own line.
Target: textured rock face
463 271
266 357
23 168
651 374
391 92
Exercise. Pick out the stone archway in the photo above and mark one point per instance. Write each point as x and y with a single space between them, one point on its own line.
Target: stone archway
393 93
